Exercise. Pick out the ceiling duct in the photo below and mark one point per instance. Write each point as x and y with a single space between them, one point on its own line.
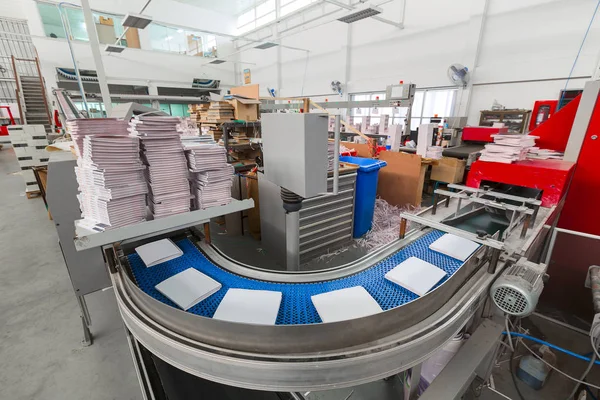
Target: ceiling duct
360 13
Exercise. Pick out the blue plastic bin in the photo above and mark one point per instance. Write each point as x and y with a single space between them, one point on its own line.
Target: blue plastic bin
366 191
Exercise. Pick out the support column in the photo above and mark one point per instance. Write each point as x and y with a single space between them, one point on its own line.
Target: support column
153 91
471 56
279 50
95 46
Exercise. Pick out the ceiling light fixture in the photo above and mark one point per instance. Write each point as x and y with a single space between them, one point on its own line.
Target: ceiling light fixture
361 13
266 45
136 21
113 48
217 62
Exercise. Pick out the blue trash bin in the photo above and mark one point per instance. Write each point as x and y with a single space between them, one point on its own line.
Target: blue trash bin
366 191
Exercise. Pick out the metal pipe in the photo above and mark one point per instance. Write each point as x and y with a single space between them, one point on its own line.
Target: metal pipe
64 22
595 284
292 241
95 46
577 233
336 155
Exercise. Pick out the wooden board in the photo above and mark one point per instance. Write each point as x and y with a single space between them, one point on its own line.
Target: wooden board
249 91
401 181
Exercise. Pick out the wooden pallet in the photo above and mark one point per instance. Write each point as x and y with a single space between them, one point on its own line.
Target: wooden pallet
33 193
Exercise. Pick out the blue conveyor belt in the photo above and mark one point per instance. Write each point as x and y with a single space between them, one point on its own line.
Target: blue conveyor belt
296 306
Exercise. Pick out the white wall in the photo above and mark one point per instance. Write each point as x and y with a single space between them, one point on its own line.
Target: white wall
134 66
521 41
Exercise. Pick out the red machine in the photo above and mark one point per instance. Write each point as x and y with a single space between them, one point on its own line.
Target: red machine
542 110
481 133
4 128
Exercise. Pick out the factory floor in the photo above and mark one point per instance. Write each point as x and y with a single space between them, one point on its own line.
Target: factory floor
41 355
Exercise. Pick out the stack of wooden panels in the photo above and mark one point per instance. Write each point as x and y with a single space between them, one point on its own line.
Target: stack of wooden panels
219 112
198 112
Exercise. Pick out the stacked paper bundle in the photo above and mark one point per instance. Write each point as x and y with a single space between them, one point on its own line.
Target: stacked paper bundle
212 176
190 142
330 155
111 181
188 128
213 188
434 152
508 148
167 168
80 128
535 153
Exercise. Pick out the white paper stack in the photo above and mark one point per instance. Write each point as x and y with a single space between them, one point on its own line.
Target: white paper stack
343 304
454 246
434 152
416 275
82 127
211 175
111 182
330 155
188 288
508 148
535 153
167 167
249 306
158 252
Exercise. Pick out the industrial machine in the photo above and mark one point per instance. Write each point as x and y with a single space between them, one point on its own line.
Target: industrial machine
302 354
179 352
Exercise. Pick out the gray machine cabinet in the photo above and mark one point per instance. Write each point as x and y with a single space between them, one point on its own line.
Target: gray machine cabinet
86 268
325 222
295 152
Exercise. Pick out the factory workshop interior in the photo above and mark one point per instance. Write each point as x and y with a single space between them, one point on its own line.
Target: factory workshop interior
299 199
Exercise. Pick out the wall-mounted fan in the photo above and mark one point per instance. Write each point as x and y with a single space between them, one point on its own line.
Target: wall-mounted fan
458 74
336 87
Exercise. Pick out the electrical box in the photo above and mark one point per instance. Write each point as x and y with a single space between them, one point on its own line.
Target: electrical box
400 95
295 152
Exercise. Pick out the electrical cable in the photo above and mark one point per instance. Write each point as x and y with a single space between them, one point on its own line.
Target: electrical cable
513 374
594 347
579 52
552 346
586 372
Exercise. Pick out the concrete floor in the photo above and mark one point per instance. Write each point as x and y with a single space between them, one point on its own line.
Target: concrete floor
41 355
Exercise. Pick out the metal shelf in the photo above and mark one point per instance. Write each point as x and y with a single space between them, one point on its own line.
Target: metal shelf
87 239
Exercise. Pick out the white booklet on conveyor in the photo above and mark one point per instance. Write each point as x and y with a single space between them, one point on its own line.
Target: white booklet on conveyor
416 275
454 246
249 306
188 288
158 252
343 304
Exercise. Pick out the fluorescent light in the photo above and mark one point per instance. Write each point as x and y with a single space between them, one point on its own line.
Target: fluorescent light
136 21
113 48
169 38
217 62
266 45
179 30
361 13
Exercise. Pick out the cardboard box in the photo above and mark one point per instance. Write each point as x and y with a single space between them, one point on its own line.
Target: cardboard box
400 183
448 170
106 21
245 109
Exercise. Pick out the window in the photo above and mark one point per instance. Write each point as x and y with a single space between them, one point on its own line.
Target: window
256 17
109 27
177 40
289 6
427 104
